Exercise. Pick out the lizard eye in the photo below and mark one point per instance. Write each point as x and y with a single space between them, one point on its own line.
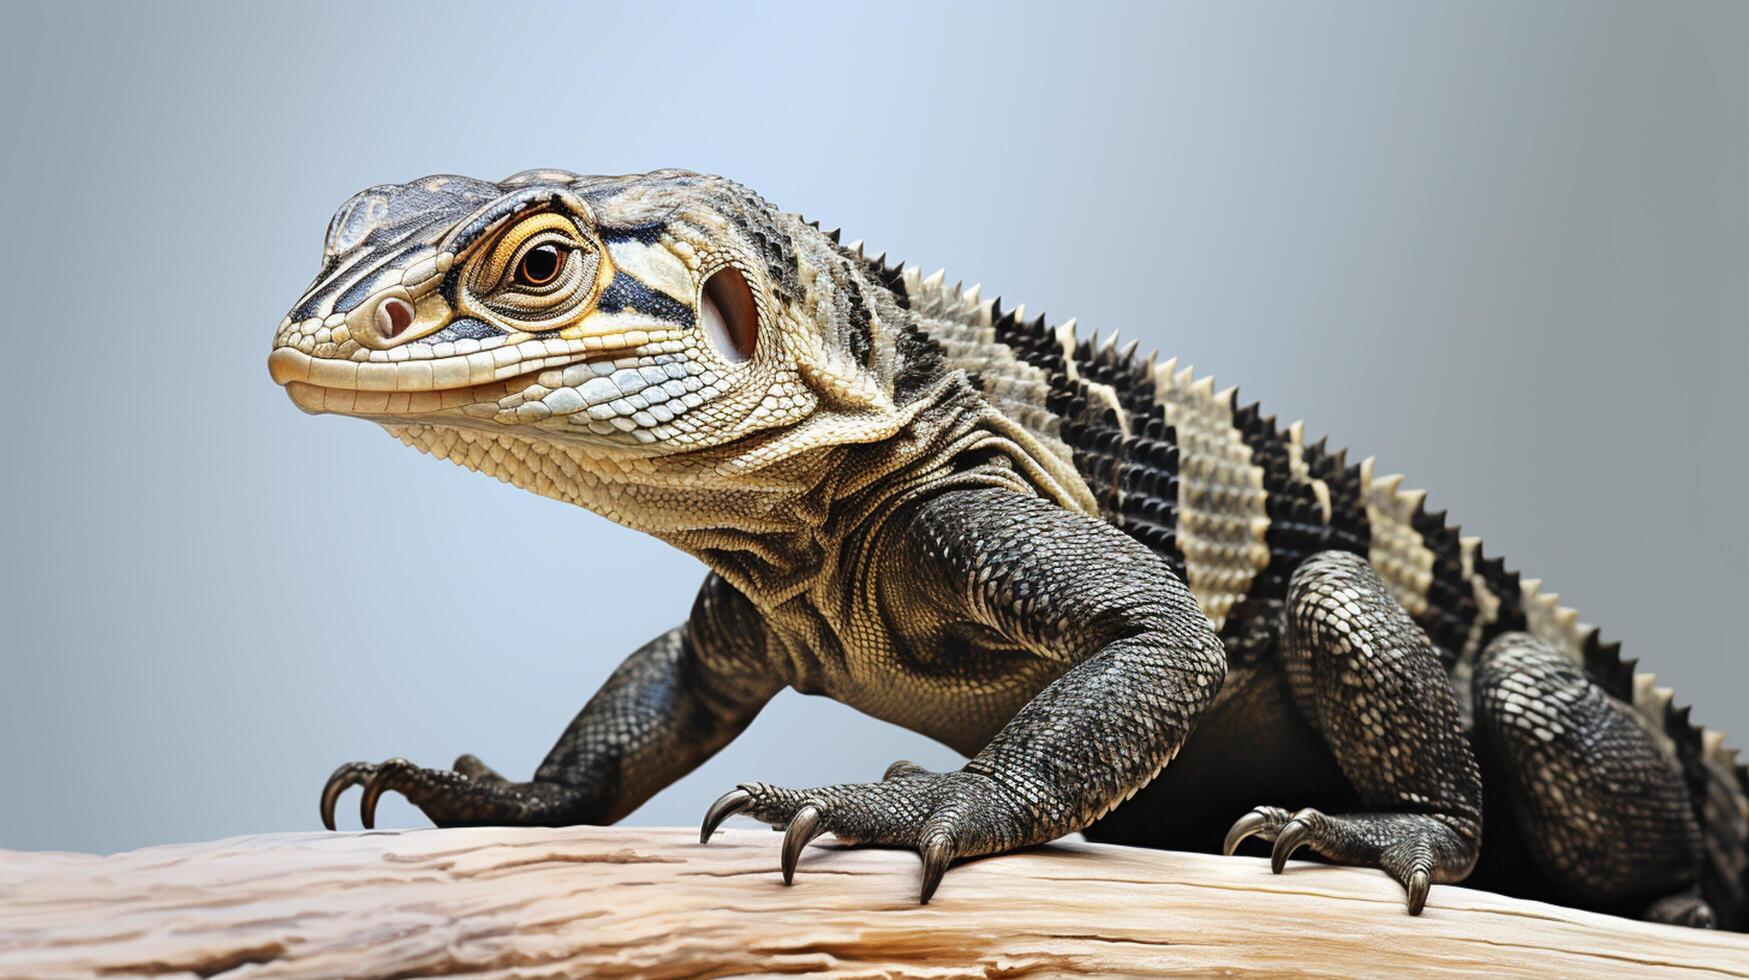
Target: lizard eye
540 266
541 275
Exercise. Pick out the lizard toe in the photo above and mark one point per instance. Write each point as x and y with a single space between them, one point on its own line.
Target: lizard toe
937 854
803 828
941 816
1415 849
345 777
1292 836
390 775
1244 827
726 806
1263 822
470 795
1419 883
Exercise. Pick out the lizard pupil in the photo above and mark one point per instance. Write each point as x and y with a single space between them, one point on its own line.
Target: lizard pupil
540 266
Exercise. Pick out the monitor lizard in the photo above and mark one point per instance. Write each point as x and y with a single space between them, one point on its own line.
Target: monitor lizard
1143 610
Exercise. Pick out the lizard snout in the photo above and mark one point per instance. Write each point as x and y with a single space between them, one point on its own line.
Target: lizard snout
380 321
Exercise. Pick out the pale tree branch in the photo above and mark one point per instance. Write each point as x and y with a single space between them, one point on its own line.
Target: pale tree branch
500 902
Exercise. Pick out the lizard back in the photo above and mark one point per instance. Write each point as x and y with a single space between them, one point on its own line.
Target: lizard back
1234 502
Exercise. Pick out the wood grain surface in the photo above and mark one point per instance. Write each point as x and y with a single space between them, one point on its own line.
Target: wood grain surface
633 901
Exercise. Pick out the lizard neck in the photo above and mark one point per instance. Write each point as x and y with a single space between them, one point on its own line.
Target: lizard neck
752 525
821 503
770 514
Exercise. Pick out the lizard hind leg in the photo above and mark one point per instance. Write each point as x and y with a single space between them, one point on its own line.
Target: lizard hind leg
1602 811
1369 680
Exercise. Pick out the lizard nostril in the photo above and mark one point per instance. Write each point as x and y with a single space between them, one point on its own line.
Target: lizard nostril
394 316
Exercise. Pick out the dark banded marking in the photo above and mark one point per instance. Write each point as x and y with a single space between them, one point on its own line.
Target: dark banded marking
759 222
1129 379
354 278
890 276
648 234
342 277
626 292
858 323
1296 520
1349 529
463 328
506 207
918 363
1451 597
1504 585
1091 430
1135 477
1092 425
1088 424
366 284
1148 488
1032 343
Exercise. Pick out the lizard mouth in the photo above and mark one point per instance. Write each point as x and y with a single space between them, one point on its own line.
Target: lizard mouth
417 385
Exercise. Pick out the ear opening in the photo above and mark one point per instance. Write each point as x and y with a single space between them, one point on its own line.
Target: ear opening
729 314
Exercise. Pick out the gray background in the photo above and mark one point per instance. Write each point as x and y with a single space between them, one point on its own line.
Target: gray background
1502 246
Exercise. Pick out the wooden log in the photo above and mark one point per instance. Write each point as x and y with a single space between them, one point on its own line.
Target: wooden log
502 902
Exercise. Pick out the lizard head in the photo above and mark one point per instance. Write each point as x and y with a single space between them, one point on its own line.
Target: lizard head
656 324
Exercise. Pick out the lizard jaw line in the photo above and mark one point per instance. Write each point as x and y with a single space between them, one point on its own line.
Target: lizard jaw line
418 387
460 373
319 399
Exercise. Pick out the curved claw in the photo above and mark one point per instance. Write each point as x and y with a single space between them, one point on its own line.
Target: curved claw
1287 842
343 779
1244 827
367 804
1418 885
937 855
802 829
373 791
726 806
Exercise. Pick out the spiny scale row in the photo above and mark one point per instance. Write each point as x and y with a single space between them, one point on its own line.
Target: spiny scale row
1150 485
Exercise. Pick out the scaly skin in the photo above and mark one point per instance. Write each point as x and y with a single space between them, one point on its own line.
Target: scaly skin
1070 564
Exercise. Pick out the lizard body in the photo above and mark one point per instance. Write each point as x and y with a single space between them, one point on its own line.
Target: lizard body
1070 563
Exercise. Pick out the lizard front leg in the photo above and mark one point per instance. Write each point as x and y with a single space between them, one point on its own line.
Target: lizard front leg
1008 577
667 708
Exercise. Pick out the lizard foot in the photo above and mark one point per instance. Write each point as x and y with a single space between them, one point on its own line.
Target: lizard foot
470 795
1415 849
943 816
